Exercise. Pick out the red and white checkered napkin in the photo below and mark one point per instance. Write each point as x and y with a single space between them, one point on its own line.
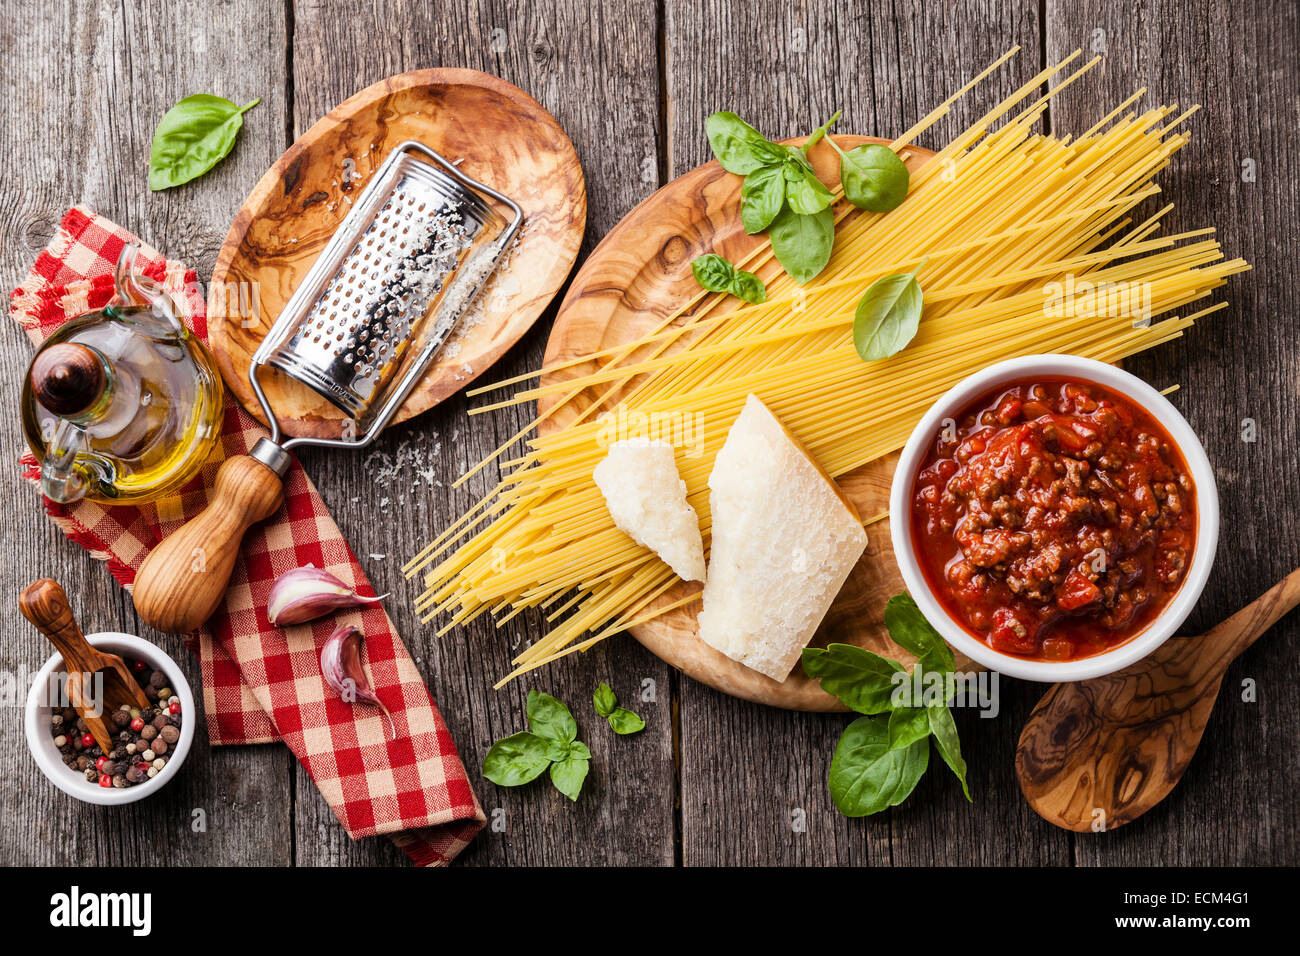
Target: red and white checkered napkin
263 683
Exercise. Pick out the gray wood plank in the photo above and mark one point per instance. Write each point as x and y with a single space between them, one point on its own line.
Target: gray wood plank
594 68
1237 803
84 84
749 773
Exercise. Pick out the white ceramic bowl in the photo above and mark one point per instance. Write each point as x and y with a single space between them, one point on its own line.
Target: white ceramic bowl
41 742
1141 394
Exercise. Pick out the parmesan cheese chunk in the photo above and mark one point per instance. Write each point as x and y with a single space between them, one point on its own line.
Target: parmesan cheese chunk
646 497
784 541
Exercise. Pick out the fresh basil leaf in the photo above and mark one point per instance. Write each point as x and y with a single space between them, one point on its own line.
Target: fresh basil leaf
873 177
804 192
819 132
747 286
888 316
547 717
713 272
909 629
808 196
802 243
794 164
866 776
716 274
907 725
517 759
862 681
192 137
605 700
576 749
623 721
739 147
945 739
568 775
761 197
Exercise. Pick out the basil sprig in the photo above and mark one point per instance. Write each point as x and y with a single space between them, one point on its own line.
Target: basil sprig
888 315
192 137
551 741
716 274
621 720
781 194
881 756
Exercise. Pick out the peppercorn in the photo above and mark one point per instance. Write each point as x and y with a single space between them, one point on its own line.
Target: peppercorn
170 734
60 741
121 719
149 732
137 774
148 755
159 746
153 771
157 679
159 763
119 781
175 708
105 780
91 774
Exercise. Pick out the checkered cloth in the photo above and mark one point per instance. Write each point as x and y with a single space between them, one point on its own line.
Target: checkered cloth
262 683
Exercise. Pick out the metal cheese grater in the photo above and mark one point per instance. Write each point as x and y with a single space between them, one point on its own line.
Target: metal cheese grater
374 309
361 328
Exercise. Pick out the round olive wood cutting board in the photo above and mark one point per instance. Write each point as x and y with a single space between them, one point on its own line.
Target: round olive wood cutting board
495 132
638 275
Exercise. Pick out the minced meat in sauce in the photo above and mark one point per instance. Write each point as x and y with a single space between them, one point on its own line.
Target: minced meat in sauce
1056 519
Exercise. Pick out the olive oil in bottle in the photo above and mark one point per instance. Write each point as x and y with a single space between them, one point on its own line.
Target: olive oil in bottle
122 405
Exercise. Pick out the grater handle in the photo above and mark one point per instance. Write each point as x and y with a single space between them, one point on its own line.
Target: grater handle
184 579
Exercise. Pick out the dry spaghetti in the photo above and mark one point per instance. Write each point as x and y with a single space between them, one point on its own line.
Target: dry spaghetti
1025 244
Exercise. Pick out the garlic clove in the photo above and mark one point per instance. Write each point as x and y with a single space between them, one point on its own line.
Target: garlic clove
306 593
340 664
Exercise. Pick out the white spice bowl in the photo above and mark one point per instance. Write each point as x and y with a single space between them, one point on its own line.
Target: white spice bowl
40 741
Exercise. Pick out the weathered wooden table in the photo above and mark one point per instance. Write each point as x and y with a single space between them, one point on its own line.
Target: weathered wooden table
711 780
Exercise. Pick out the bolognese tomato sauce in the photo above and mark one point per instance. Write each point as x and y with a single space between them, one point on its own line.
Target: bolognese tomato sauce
1054 518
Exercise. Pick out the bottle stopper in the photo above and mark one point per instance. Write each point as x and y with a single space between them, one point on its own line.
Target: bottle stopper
67 378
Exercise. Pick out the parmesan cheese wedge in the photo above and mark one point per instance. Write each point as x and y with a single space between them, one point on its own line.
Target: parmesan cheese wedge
784 541
646 497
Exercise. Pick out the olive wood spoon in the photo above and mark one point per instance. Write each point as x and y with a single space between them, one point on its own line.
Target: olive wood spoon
1098 754
46 606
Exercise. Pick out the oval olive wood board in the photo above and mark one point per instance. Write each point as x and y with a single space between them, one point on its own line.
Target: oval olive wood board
495 132
639 274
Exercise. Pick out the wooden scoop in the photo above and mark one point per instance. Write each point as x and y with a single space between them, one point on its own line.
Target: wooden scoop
1098 754
46 606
